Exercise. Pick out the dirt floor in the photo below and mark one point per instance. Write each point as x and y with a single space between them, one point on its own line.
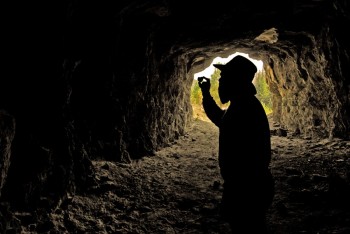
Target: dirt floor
179 190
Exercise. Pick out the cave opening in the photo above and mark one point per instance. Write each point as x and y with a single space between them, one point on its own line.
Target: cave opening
259 81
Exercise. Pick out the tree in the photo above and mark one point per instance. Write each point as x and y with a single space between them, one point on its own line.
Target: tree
214 81
263 91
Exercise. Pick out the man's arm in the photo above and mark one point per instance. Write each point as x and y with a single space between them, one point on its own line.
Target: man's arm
213 111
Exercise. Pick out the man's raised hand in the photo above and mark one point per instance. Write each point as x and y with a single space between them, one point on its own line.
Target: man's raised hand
204 84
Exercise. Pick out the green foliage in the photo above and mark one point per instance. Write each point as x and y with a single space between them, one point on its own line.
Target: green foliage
196 93
263 91
196 100
214 81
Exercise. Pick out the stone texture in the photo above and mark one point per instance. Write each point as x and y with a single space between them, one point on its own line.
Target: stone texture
7 133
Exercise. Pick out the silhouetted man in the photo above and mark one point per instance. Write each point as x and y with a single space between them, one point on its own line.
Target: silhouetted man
244 146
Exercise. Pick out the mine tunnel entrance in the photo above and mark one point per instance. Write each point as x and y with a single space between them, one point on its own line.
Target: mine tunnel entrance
263 91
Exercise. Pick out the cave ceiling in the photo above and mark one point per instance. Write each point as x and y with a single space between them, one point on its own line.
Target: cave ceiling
204 31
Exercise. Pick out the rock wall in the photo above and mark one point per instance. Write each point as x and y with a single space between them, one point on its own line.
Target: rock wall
7 133
306 87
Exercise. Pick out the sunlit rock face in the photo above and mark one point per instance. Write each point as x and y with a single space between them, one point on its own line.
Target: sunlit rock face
307 84
112 80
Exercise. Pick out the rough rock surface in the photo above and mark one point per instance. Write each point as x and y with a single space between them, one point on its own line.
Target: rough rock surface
7 133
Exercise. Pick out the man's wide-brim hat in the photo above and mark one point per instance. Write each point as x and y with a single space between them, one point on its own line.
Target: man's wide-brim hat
238 65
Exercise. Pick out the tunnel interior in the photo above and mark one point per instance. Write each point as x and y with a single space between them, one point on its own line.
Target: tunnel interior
112 80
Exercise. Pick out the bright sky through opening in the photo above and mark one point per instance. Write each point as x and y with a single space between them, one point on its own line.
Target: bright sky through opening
210 70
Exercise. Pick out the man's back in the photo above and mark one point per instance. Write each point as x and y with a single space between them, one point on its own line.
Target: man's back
244 144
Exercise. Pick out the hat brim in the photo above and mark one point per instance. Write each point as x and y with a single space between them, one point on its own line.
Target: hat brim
219 66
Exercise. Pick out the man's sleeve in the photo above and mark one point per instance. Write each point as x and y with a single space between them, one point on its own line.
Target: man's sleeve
213 111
